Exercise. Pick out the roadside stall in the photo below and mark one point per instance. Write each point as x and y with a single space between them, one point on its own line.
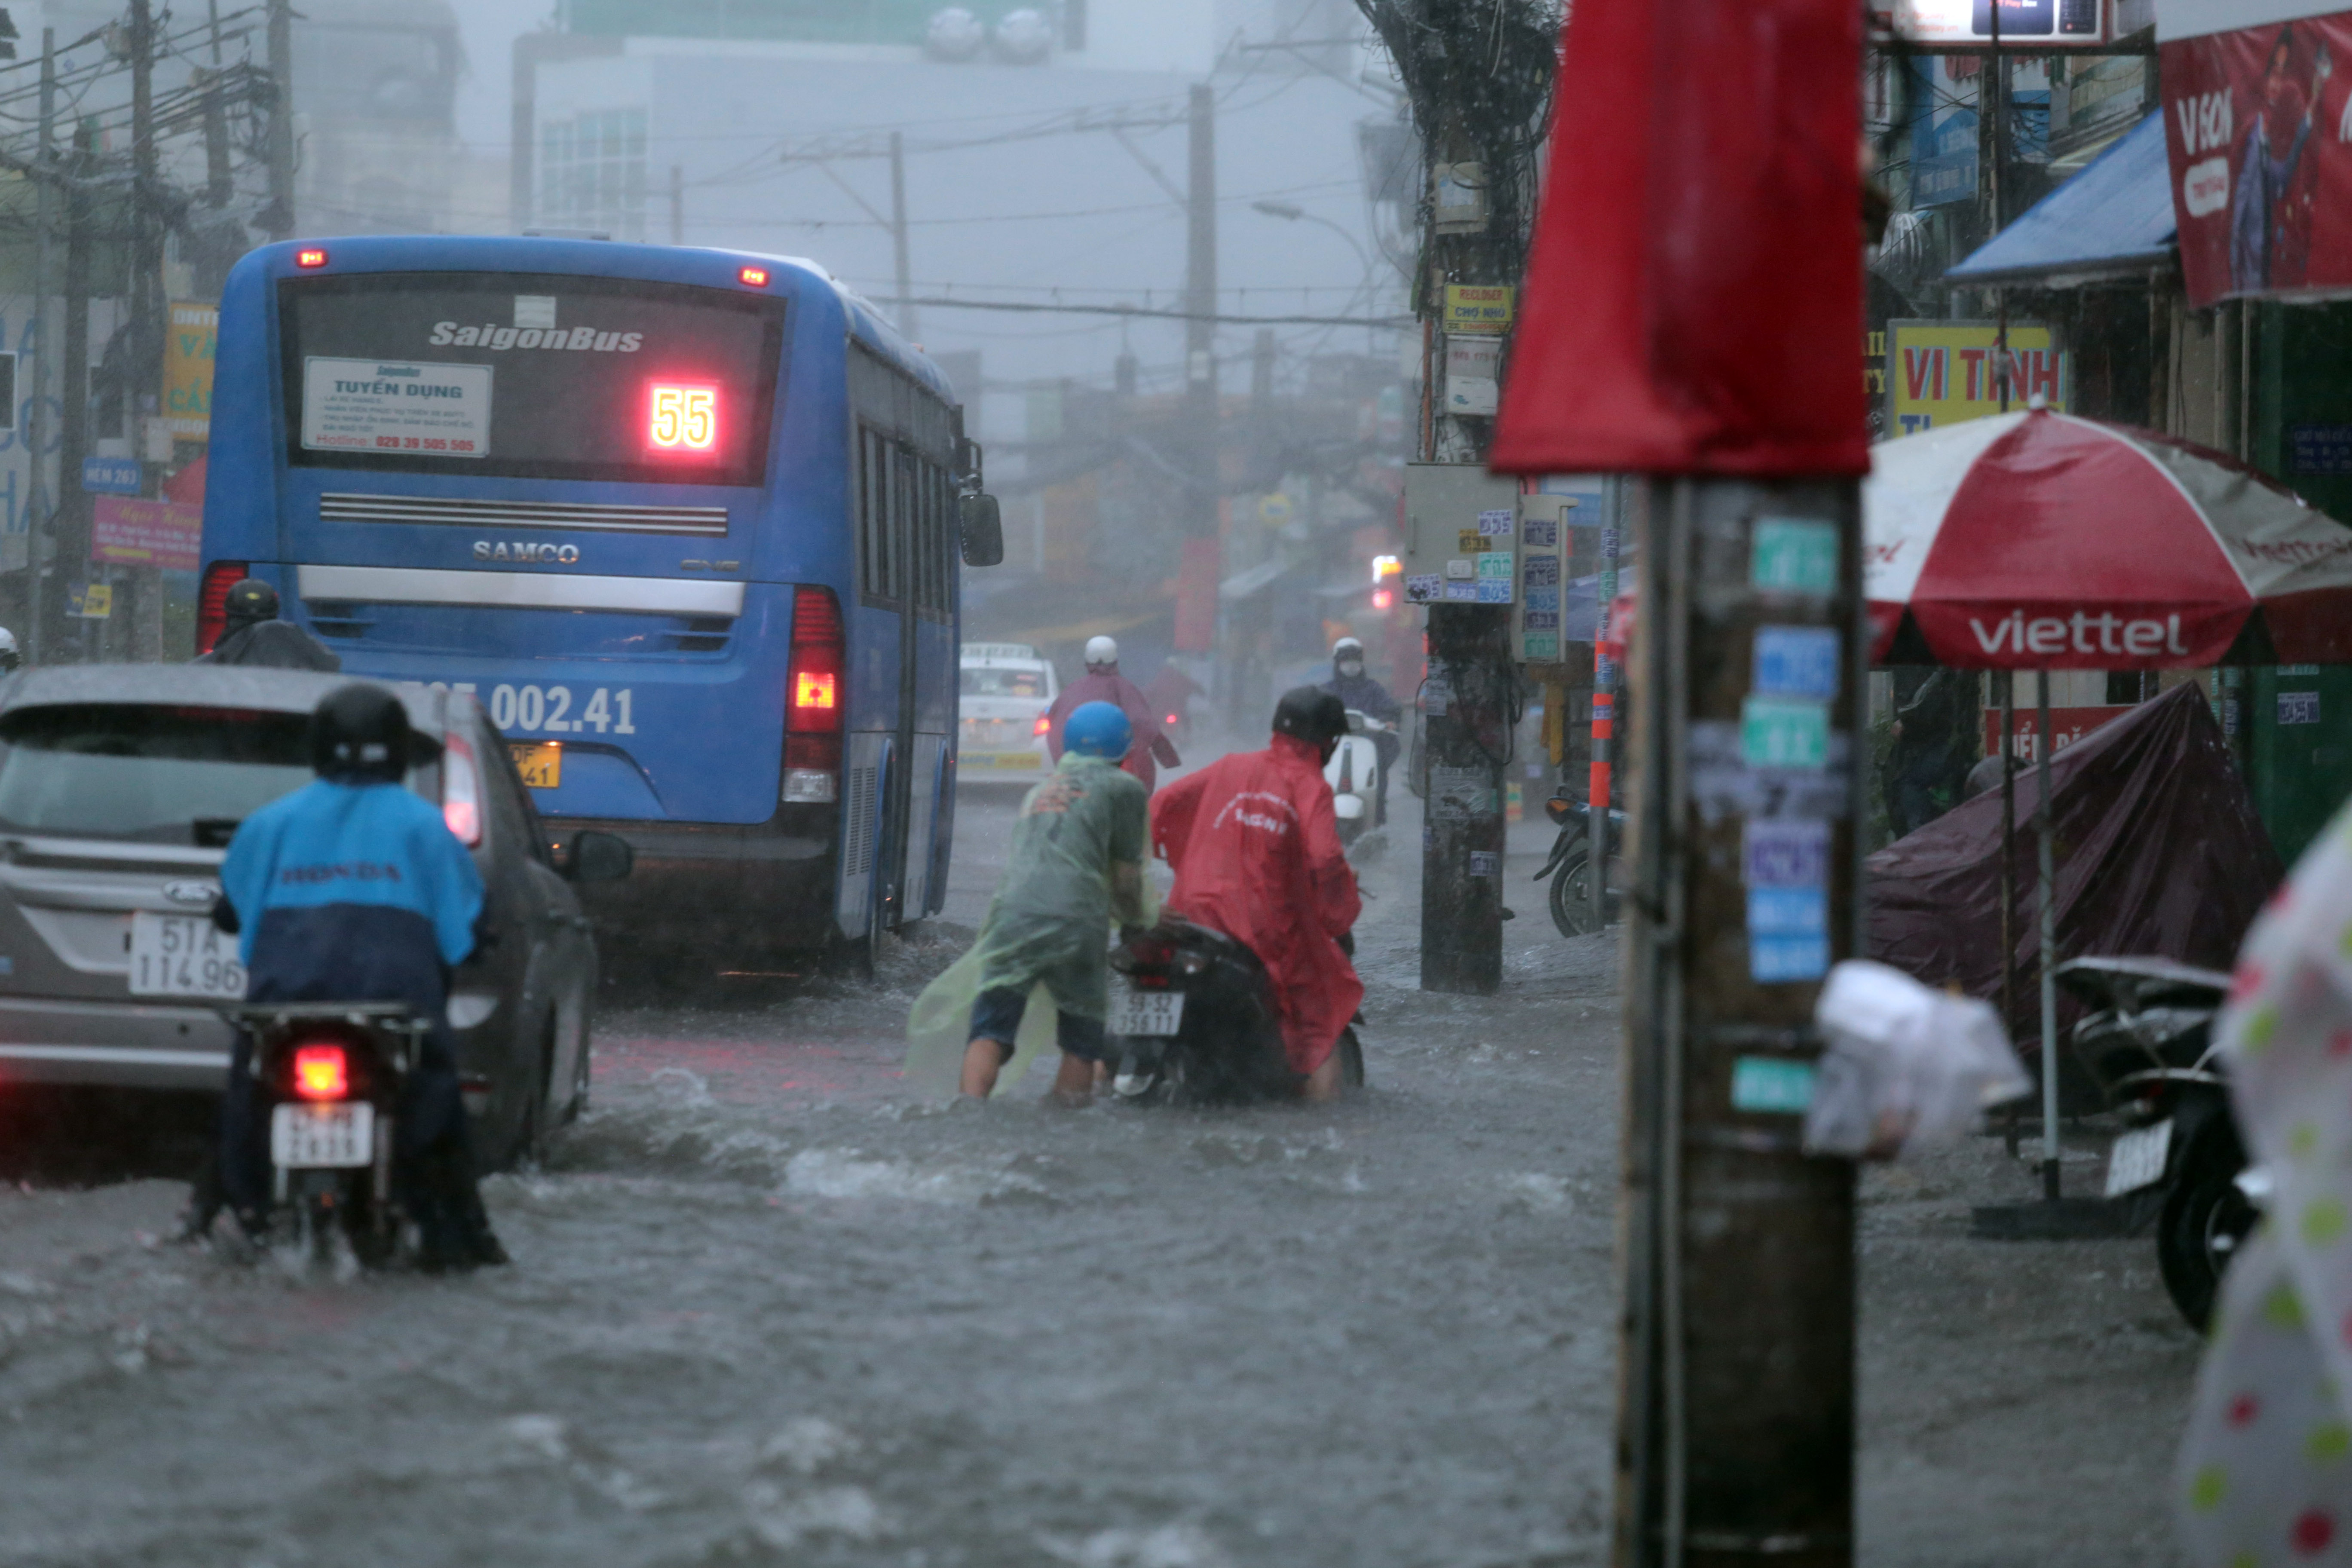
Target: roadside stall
2041 542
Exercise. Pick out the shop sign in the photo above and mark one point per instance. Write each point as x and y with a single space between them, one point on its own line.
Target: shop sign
1940 372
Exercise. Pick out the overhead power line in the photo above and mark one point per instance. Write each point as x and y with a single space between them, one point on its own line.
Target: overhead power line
1144 313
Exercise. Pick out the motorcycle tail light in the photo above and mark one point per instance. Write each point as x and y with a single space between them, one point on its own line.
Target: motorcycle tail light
322 1072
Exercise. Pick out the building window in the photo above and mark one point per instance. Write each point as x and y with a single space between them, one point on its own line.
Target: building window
592 172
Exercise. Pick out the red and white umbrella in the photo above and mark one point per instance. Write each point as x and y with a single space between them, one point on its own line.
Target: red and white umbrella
2040 541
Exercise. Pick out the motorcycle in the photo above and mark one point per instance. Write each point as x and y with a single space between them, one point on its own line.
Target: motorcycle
329 1074
2148 1042
1354 775
1570 864
1194 1021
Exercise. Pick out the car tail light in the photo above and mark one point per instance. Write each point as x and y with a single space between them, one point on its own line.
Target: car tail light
212 602
1041 726
814 699
461 789
322 1072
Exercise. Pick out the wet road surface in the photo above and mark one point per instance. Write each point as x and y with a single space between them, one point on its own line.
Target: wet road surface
767 1310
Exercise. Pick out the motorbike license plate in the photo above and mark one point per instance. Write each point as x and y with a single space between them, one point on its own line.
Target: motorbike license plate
2137 1159
541 764
182 955
310 1137
1134 1012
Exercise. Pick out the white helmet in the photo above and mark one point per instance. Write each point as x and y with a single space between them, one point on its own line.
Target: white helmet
9 657
1101 650
1347 645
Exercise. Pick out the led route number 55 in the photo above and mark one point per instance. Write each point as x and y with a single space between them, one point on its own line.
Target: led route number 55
682 420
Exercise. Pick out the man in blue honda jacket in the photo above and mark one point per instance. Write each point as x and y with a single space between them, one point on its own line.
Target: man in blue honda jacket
353 889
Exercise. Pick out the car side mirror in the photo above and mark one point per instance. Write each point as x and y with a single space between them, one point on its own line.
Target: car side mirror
594 856
982 525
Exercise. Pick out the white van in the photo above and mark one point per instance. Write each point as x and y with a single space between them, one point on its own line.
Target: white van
1003 691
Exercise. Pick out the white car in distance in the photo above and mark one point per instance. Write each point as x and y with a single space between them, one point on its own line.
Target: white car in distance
1003 691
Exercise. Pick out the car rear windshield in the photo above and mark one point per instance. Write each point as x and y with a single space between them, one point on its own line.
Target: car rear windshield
164 775
1004 682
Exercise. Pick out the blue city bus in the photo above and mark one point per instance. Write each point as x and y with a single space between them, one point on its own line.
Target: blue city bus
686 523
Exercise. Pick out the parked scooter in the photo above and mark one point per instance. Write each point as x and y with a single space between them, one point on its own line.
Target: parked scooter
2149 1043
1569 863
1354 775
1194 1016
329 1074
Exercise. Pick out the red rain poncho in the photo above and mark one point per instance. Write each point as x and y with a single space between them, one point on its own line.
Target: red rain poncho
1255 848
1122 693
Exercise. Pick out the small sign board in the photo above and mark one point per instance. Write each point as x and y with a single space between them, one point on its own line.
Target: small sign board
111 476
1478 307
91 601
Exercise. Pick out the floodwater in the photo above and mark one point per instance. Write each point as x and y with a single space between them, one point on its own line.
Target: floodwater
767 1310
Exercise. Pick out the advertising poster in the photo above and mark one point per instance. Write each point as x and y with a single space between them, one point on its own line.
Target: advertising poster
2065 23
2257 125
371 405
1939 372
132 532
188 371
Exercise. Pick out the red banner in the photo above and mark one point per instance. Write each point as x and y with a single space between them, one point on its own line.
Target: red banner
130 531
2067 725
2258 122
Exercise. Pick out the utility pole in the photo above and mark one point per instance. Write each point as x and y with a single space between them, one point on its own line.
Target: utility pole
908 324
281 121
72 514
1736 1413
218 185
676 205
1200 305
41 499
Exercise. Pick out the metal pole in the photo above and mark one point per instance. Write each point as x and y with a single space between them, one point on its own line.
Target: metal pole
1599 790
281 121
2049 915
1736 1413
2009 870
1200 304
676 205
906 320
41 503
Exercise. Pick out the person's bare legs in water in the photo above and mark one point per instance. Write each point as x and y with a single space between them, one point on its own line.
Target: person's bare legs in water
1074 1084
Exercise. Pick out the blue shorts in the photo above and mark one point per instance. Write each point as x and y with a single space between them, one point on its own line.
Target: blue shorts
997 1016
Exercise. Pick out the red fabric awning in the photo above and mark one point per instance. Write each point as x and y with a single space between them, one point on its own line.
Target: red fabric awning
1694 299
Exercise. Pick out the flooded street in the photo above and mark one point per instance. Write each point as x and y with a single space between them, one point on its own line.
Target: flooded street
766 1309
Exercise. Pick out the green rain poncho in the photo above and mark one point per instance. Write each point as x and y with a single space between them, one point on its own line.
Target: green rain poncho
1048 926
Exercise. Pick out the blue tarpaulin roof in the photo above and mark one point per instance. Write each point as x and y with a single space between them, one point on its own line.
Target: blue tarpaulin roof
2115 217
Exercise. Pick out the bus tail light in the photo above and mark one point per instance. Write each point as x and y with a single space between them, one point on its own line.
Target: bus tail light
461 789
212 602
815 698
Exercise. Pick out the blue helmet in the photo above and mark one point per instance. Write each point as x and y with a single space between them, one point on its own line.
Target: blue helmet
1099 730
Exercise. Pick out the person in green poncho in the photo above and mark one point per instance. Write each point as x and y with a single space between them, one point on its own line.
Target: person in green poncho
1077 861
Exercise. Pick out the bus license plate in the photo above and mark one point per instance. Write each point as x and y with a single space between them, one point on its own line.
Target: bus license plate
1136 1012
182 955
315 1137
541 767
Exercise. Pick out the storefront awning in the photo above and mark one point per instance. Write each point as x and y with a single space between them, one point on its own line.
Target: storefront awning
2112 220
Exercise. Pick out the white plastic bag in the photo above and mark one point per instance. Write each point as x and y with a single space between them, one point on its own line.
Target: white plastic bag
1906 1067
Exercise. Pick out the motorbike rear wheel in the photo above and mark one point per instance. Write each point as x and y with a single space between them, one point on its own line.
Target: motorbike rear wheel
2206 1218
1572 897
1352 1060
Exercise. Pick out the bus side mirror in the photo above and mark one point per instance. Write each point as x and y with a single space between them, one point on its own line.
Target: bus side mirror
982 529
594 856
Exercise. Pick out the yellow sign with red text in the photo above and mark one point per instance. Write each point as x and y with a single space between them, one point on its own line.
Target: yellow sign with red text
1941 373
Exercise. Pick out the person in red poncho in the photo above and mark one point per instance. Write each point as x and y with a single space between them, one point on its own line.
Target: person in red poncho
1103 683
1255 848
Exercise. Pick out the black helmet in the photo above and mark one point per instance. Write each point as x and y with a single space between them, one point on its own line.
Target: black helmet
251 599
1311 715
360 732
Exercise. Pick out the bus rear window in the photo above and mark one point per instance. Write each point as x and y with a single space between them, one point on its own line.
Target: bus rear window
529 376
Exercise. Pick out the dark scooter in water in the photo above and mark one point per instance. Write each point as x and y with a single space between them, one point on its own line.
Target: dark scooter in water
1570 865
328 1076
1196 1024
2148 1041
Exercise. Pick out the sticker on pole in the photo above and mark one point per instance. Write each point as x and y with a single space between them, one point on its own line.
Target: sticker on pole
1794 555
381 406
1787 935
1796 661
1785 854
1784 733
1422 586
1771 1085
1495 522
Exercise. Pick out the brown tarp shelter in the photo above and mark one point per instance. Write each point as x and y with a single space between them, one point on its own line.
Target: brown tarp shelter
2158 851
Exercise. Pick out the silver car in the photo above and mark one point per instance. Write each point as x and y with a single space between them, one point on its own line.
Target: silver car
120 788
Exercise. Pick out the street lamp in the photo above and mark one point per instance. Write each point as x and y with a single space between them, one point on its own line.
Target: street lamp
1291 214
